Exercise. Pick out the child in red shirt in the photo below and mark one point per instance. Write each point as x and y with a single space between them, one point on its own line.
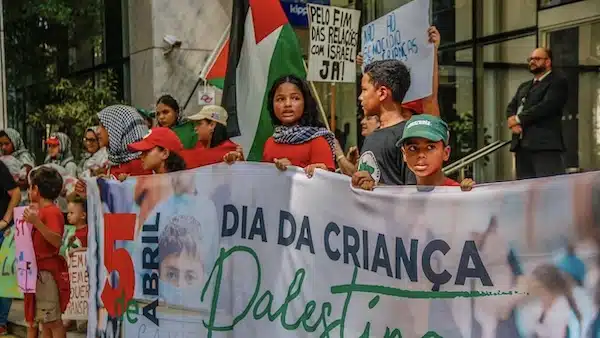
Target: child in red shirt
300 139
160 150
52 289
213 144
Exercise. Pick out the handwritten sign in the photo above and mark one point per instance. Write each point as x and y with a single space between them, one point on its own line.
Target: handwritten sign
8 264
333 43
80 289
402 35
26 263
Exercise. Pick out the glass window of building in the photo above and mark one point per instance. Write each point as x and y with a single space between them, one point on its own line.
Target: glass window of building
46 42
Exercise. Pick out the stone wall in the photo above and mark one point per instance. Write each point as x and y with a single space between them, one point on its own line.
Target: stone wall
199 24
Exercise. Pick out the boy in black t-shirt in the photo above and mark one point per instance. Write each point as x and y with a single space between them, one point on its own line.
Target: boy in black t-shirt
10 196
383 87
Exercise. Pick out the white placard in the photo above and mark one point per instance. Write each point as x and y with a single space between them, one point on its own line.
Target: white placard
80 289
402 35
207 95
333 43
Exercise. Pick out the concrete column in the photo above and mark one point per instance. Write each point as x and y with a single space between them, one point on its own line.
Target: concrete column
198 24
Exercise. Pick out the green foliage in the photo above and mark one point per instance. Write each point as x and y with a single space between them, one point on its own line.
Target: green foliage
38 34
74 106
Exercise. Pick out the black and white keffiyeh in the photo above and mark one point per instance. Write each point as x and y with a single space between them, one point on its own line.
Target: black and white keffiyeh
302 134
124 126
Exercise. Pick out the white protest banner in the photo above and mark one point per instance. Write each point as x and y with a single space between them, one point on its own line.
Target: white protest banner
249 251
333 43
402 35
80 288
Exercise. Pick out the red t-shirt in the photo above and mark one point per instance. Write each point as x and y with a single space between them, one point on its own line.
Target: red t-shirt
82 235
46 254
450 183
201 156
131 168
314 151
49 259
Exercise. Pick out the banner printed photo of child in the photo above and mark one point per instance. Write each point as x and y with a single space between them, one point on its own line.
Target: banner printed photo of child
181 263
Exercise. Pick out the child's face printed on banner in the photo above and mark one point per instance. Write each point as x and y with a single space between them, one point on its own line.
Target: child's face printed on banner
205 128
183 270
76 215
288 104
425 157
371 96
152 159
6 146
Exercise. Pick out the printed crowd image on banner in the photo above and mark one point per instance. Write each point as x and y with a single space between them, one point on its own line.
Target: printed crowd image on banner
249 251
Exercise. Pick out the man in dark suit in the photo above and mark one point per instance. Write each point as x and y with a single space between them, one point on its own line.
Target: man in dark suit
534 117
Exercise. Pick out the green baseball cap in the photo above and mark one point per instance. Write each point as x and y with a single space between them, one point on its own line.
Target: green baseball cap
425 126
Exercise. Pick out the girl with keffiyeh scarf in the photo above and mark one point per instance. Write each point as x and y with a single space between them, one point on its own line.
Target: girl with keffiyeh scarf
120 126
169 115
300 139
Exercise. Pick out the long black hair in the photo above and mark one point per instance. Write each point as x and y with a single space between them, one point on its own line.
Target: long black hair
175 162
219 135
169 101
310 117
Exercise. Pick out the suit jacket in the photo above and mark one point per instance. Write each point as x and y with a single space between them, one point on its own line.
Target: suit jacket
542 113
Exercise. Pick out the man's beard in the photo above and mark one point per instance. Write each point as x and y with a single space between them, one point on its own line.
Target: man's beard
537 70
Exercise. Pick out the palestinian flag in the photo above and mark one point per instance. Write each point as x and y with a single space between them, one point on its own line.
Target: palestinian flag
262 47
216 66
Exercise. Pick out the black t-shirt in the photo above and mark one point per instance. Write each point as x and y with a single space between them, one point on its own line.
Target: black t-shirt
7 183
383 159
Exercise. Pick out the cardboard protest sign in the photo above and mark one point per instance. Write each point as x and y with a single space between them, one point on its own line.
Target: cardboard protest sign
8 264
25 254
80 289
333 43
402 35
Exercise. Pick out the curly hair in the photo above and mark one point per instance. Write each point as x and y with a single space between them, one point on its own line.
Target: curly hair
310 117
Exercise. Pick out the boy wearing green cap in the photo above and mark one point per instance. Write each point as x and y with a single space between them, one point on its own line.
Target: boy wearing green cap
425 148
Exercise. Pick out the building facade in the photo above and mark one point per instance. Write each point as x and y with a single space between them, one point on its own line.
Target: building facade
485 44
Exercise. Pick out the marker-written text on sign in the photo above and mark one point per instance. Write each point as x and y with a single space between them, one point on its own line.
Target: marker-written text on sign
333 43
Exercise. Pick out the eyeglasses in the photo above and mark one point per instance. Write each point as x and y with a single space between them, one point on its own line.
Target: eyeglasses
89 140
535 58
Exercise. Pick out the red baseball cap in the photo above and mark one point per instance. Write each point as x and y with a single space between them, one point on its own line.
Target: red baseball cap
158 137
416 106
53 141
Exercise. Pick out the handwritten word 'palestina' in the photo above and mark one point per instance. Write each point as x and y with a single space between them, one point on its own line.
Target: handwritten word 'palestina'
314 319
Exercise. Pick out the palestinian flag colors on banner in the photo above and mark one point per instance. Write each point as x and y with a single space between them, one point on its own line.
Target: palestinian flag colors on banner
262 47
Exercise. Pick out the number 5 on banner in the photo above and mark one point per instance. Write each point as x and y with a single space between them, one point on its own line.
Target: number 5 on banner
118 227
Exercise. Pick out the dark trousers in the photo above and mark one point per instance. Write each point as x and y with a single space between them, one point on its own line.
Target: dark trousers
533 164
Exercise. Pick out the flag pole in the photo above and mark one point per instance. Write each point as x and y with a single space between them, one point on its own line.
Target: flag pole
317 98
207 65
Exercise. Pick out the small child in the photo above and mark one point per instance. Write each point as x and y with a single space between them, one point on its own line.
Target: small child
425 148
160 150
77 218
52 289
